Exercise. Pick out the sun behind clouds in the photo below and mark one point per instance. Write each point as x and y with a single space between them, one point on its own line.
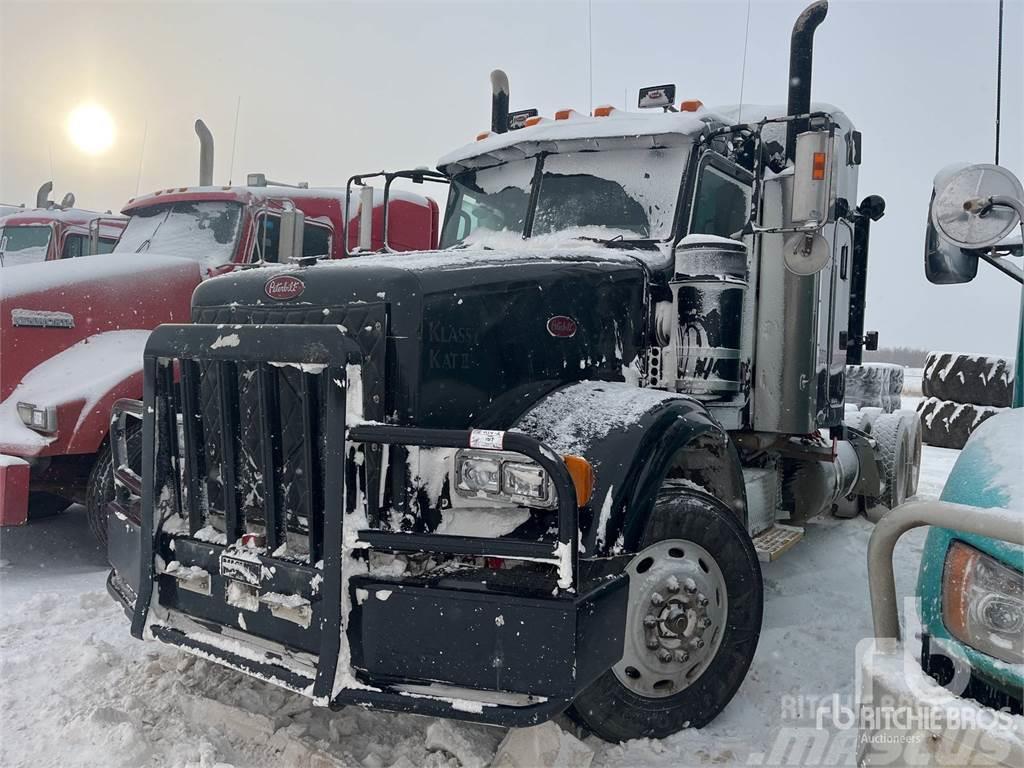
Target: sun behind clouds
91 128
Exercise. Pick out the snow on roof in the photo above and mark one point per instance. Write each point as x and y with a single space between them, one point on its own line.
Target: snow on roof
618 124
50 275
83 216
242 194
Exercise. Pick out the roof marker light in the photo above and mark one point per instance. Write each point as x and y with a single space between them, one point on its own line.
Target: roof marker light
691 105
566 114
533 120
603 111
483 135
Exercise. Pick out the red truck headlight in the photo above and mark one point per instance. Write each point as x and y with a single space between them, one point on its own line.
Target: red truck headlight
39 418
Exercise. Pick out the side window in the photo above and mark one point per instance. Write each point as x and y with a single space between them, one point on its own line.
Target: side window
106 245
75 246
268 238
316 240
722 205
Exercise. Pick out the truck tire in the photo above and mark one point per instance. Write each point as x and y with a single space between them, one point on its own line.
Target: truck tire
893 452
916 438
100 490
695 605
946 424
972 379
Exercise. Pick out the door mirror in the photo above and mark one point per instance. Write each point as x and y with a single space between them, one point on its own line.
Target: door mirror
293 222
961 219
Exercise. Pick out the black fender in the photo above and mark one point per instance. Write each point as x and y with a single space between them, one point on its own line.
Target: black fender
639 442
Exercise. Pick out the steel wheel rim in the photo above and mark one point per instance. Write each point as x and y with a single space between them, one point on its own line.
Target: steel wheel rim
675 620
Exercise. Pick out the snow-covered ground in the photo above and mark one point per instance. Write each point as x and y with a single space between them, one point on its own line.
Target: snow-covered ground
77 690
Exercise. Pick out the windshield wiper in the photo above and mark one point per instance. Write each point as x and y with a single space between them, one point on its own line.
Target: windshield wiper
620 242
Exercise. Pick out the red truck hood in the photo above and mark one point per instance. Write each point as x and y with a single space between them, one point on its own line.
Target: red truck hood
68 327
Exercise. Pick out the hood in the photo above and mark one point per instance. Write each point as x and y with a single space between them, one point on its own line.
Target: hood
49 307
473 336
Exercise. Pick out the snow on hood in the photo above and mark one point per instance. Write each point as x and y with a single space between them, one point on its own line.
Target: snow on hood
1000 439
50 275
85 371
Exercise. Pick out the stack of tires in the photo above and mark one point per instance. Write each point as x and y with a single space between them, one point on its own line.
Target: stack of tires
960 392
874 385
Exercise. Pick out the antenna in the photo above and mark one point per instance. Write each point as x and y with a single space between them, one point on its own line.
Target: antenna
234 136
999 78
743 68
590 60
142 153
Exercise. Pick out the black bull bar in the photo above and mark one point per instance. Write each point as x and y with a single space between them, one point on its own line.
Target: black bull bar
515 652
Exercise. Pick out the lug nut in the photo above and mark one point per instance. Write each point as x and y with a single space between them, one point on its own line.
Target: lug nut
690 586
650 620
705 623
673 584
652 643
697 643
664 656
702 601
682 657
657 599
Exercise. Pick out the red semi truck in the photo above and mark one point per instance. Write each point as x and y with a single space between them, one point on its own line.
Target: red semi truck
72 335
50 231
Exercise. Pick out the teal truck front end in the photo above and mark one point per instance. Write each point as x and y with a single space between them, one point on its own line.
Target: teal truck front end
951 694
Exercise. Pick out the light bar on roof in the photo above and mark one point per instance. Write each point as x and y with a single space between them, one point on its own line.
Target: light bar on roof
657 96
517 120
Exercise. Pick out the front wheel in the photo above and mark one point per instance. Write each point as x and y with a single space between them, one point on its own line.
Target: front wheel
692 624
100 490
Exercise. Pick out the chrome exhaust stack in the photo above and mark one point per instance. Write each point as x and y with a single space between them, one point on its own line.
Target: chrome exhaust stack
801 55
499 101
205 154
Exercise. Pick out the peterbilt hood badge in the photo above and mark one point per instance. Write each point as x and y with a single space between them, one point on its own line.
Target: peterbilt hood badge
562 326
284 287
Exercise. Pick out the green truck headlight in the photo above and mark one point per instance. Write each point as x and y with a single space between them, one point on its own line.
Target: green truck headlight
983 603
38 418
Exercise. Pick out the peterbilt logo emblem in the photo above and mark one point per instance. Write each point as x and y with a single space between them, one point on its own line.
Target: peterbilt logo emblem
562 327
284 287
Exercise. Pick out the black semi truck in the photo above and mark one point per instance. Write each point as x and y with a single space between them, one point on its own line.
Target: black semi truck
534 470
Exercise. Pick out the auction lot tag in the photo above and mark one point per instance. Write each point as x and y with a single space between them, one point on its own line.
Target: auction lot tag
239 569
491 439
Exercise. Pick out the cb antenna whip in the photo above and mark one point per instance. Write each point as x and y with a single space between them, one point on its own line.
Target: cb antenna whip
999 78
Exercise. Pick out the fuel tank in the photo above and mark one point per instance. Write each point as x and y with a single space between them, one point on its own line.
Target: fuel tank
473 337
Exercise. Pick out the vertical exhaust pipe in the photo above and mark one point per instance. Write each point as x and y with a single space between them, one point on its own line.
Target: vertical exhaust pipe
801 54
205 154
68 201
499 101
43 195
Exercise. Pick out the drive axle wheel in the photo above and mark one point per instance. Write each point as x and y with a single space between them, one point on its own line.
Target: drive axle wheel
678 604
692 624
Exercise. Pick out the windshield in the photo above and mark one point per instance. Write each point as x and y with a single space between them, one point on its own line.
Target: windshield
488 200
620 194
632 193
24 245
204 231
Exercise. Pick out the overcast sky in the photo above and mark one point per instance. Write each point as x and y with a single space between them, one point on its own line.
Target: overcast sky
328 90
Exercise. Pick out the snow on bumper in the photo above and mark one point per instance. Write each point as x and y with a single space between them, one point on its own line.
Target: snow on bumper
13 490
906 718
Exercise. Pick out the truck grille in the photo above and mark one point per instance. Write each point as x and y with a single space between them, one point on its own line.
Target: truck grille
251 442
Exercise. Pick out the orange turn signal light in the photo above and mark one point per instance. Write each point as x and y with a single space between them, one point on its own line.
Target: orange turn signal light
818 166
691 105
482 136
603 111
582 475
532 121
564 114
960 561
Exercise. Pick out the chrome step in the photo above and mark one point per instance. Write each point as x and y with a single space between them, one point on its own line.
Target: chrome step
772 543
